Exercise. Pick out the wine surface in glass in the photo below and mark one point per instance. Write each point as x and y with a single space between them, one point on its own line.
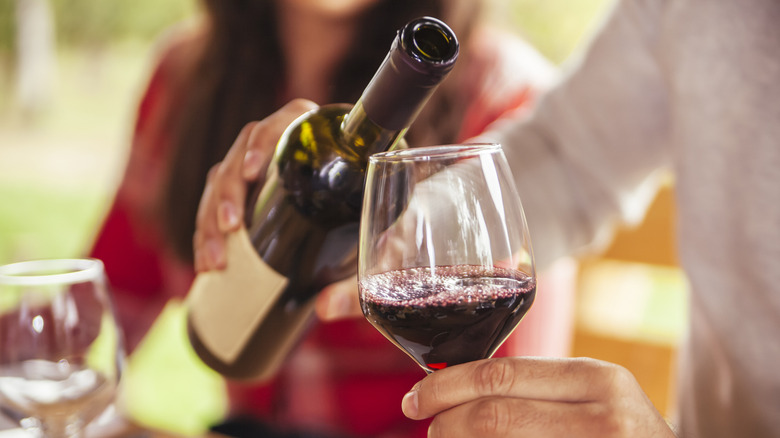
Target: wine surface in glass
447 315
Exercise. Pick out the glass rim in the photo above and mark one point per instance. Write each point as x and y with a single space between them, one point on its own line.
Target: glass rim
44 271
448 151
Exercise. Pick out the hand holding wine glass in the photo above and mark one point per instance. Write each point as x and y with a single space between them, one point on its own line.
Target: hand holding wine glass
60 348
446 269
535 396
446 272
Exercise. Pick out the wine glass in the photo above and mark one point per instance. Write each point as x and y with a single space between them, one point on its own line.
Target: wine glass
60 348
446 269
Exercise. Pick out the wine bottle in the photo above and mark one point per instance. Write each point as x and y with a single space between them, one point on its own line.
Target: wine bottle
303 221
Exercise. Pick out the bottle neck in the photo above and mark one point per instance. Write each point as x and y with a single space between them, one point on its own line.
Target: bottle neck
420 57
366 137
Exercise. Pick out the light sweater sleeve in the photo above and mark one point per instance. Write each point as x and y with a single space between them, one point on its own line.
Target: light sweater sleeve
587 157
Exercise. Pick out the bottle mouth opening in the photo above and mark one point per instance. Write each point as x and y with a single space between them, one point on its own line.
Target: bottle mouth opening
432 40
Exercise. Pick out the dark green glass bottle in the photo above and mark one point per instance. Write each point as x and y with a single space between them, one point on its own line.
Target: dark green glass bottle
303 222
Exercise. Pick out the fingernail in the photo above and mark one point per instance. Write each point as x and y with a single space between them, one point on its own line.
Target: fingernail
216 253
228 216
409 404
252 163
338 307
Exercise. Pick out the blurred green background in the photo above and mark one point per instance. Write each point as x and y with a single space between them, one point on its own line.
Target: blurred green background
62 154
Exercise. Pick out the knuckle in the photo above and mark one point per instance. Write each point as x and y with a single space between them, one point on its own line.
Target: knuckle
616 378
212 173
197 238
611 387
495 377
621 377
615 385
607 376
224 181
202 215
249 127
300 105
611 422
491 417
602 418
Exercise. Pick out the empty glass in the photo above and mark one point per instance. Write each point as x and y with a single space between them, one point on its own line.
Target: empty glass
60 348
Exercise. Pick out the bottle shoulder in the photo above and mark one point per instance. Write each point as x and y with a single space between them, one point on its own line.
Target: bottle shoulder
316 138
318 172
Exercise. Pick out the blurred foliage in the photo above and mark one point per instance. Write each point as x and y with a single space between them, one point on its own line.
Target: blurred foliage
29 231
184 396
6 25
99 22
87 22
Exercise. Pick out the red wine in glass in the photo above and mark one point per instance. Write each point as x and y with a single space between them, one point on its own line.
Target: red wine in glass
445 266
447 315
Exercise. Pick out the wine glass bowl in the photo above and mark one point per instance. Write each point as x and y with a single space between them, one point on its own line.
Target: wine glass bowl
445 268
60 348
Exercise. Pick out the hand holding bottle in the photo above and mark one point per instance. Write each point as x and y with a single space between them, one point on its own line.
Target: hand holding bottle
224 196
302 221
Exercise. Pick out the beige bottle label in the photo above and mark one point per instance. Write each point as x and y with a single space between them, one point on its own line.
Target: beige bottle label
225 307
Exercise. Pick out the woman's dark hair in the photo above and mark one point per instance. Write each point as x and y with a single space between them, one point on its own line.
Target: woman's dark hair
238 78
